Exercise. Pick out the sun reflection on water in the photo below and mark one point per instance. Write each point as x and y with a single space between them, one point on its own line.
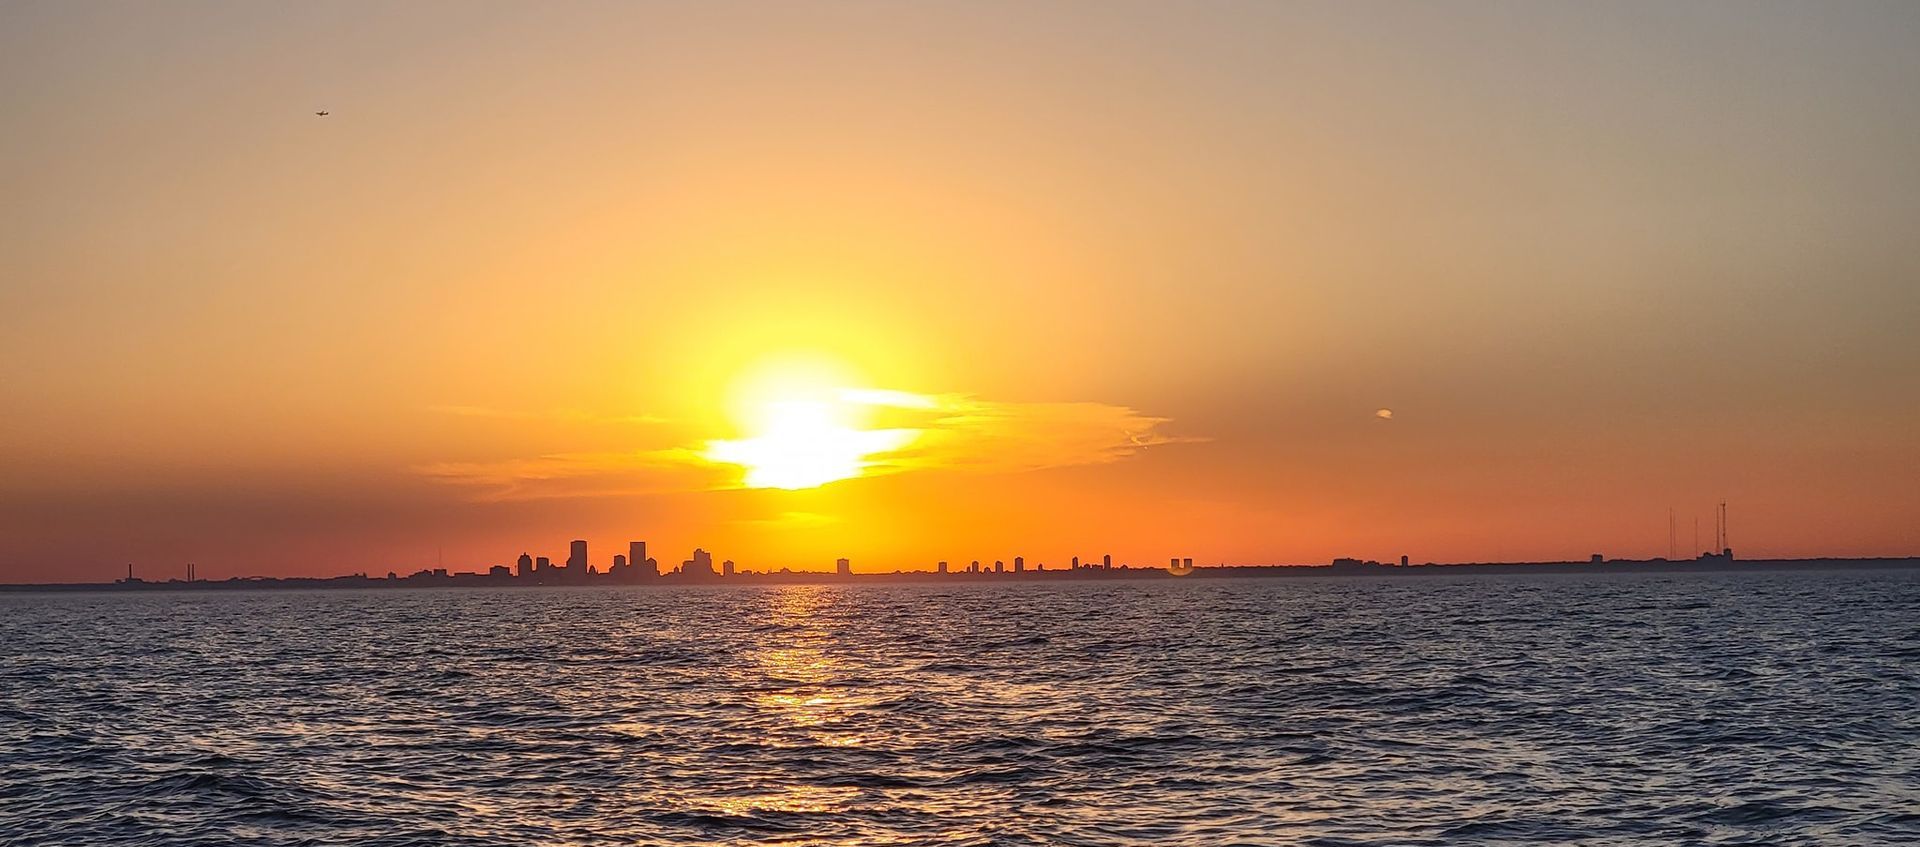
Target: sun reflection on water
794 673
796 798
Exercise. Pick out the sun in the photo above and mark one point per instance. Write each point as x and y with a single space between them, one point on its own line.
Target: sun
805 444
804 427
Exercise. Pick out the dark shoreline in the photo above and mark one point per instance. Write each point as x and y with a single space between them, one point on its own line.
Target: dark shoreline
1375 571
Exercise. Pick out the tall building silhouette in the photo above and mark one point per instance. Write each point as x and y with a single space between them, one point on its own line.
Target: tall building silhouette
637 557
843 567
701 565
941 568
1019 564
542 566
726 568
524 566
578 565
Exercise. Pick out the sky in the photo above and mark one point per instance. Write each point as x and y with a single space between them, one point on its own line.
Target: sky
1242 282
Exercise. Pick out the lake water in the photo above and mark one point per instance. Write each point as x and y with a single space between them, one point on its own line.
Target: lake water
1773 709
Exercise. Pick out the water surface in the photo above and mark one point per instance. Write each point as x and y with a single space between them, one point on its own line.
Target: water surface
1603 710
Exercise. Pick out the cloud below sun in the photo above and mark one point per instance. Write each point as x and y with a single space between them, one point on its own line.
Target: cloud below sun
850 434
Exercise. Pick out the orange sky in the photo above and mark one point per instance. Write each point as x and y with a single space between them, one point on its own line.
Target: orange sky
1157 267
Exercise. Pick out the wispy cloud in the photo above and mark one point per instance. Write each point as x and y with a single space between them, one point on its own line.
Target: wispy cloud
966 433
580 474
568 415
950 432
791 520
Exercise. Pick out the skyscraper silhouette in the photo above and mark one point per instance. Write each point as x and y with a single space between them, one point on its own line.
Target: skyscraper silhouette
637 557
577 565
701 565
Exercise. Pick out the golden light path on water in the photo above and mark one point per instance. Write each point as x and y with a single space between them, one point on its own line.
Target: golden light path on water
797 679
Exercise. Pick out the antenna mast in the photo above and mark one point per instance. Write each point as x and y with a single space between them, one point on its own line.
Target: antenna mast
1725 542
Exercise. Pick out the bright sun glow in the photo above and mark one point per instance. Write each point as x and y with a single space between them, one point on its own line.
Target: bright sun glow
803 431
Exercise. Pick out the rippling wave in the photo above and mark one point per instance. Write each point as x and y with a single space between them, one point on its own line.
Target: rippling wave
1609 710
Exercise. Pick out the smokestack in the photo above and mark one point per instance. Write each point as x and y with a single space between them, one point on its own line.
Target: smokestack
1672 536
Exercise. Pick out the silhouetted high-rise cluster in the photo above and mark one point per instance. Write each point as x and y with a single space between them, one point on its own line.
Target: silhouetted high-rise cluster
635 567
